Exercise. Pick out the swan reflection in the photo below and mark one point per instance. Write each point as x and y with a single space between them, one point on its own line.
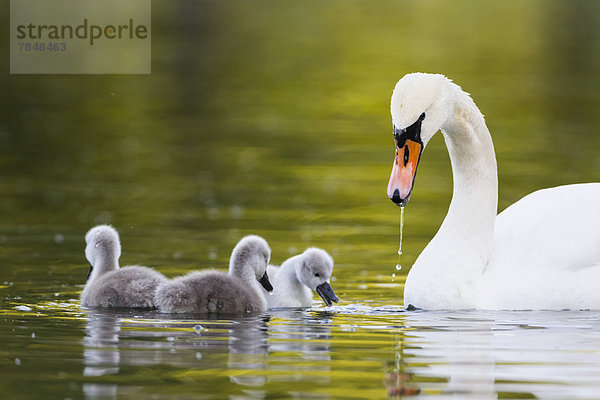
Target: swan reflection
101 353
482 354
300 342
253 351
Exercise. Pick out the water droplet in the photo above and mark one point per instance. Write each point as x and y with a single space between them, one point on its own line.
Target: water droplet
198 356
17 362
401 225
59 238
33 335
198 328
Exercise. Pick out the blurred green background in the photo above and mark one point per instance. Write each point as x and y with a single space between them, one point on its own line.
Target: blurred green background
272 118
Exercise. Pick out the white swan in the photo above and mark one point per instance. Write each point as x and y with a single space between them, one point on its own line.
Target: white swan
215 291
543 252
294 281
111 286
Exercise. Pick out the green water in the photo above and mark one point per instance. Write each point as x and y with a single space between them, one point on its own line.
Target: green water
272 118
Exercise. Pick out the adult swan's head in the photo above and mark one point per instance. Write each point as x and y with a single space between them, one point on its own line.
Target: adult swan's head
421 105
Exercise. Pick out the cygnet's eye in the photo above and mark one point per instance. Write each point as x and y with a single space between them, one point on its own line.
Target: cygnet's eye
317 274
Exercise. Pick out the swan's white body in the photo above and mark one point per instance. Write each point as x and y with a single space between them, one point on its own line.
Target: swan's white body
543 252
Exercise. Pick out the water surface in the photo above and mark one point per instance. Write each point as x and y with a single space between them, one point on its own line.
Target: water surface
350 351
272 118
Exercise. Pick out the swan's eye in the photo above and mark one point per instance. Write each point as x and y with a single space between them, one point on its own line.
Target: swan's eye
398 133
317 274
412 132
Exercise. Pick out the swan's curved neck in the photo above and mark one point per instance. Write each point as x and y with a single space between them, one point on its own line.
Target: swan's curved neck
290 270
456 257
106 261
289 279
241 267
474 204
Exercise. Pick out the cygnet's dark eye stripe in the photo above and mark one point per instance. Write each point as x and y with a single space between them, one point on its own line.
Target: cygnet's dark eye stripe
412 132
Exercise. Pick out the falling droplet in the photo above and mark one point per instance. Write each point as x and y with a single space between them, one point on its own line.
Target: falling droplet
401 224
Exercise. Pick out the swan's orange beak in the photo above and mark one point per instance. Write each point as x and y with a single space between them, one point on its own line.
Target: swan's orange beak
404 170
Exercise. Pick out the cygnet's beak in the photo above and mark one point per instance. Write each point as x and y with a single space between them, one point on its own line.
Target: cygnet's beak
326 292
89 273
264 281
404 170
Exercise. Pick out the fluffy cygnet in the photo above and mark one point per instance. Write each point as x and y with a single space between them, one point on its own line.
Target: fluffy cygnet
111 286
215 291
298 276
